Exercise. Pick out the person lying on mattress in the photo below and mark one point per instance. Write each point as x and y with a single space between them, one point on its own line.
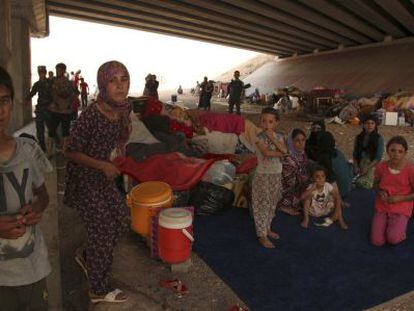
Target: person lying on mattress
143 143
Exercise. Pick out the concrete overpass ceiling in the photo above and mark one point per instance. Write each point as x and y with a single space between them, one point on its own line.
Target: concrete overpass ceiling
280 27
34 11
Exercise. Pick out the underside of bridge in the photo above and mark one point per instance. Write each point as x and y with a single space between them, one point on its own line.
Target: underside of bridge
279 27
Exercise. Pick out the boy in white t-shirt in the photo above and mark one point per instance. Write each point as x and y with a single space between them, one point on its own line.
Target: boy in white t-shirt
24 262
322 199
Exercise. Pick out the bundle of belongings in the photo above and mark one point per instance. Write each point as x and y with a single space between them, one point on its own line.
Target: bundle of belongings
357 107
204 156
402 102
379 104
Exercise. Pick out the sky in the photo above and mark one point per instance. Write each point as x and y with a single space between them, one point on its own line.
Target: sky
175 61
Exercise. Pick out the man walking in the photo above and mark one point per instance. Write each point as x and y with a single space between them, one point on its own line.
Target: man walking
44 99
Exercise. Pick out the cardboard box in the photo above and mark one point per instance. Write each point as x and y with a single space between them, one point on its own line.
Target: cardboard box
391 118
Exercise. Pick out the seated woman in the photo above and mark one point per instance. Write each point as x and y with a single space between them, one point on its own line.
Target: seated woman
338 170
312 143
368 151
295 173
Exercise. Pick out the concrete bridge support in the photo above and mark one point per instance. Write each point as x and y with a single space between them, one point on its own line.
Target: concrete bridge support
19 20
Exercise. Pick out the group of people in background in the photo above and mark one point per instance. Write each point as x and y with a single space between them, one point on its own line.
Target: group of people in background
57 104
235 92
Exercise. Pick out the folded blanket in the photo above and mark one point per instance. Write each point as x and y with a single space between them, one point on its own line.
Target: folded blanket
140 152
177 170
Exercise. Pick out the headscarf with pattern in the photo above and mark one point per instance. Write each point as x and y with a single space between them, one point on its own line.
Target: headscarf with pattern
105 73
293 151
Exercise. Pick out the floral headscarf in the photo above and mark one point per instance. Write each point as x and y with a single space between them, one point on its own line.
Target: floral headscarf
105 73
295 153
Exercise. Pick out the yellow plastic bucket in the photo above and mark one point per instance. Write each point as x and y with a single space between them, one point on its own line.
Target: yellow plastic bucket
143 199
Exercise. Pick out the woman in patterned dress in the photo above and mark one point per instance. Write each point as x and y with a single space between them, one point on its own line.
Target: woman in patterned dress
102 128
295 173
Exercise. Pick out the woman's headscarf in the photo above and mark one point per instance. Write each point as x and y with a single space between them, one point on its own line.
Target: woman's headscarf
105 73
327 144
373 140
311 147
317 128
295 153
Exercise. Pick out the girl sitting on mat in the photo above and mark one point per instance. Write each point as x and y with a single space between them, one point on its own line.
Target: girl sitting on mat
266 186
394 183
368 150
321 199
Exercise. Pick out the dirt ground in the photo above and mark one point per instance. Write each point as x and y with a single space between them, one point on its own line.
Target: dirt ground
134 271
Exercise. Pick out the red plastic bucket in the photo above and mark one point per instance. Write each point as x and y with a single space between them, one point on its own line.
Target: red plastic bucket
175 235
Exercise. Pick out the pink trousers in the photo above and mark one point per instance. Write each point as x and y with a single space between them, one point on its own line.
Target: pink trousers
388 228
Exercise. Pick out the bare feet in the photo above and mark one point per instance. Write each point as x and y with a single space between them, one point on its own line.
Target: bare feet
305 223
290 212
273 235
265 242
342 224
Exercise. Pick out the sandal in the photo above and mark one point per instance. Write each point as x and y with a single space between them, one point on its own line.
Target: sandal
109 297
176 286
326 222
80 260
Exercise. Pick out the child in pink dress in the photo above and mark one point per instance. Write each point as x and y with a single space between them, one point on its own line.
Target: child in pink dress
394 182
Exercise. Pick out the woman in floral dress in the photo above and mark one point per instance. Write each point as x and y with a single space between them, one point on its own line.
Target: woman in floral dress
102 128
295 173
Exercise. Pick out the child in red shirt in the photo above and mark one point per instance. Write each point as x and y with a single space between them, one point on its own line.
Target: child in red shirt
84 92
394 181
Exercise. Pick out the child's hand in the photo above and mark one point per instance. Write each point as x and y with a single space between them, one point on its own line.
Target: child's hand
110 170
312 188
395 199
383 195
11 227
30 217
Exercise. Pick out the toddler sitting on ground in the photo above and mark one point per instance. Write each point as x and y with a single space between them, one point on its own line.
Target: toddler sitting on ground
321 199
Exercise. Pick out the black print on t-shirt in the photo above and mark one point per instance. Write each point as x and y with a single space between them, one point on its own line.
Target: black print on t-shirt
20 188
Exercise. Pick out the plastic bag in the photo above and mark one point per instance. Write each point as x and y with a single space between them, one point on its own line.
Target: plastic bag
210 199
181 198
220 173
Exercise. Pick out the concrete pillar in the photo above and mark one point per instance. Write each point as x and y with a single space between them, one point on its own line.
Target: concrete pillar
21 70
5 34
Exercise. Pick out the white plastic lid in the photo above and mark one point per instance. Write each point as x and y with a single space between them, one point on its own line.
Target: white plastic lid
175 218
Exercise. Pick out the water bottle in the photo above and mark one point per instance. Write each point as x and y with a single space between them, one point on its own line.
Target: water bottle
401 119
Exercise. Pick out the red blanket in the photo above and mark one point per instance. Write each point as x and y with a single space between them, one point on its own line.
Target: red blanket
222 122
177 170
